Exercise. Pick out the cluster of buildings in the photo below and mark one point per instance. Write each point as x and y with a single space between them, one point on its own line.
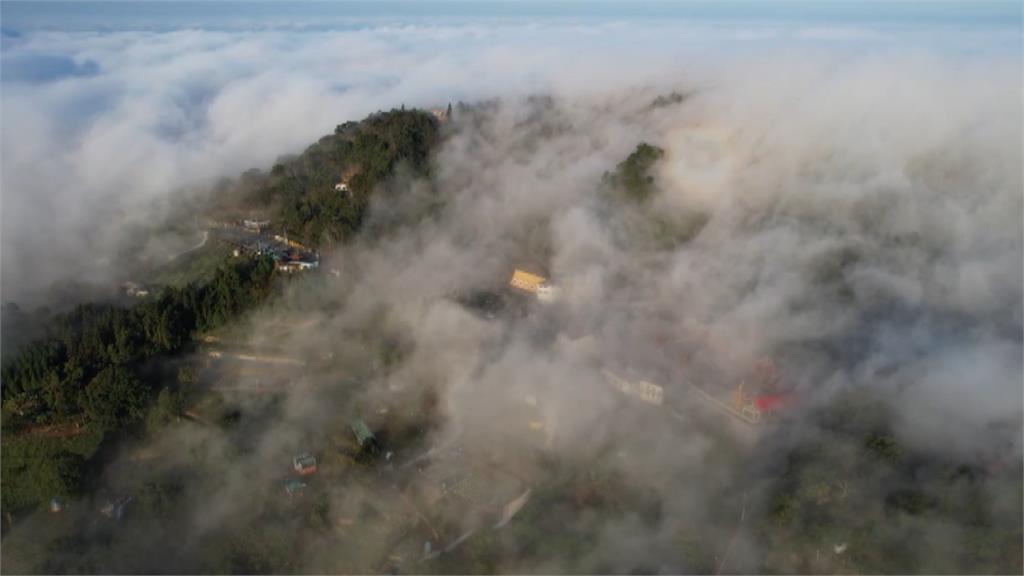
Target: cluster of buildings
290 256
756 397
304 465
291 264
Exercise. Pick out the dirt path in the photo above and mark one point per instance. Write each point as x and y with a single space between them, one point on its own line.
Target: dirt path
65 430
193 416
206 236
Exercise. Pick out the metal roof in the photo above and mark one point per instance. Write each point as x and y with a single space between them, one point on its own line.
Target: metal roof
361 431
526 281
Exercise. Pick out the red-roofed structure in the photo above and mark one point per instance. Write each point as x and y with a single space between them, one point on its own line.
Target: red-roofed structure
767 403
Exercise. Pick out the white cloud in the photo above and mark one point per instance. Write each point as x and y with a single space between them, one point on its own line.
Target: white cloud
871 201
910 142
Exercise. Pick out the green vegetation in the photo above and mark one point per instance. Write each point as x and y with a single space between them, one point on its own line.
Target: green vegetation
92 350
840 493
198 266
671 99
633 175
560 522
90 372
98 373
365 153
641 223
666 231
169 405
94 371
37 467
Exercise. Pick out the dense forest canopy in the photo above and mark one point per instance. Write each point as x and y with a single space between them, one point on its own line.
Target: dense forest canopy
361 154
98 369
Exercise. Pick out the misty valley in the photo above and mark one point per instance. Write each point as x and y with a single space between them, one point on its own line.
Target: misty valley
376 359
432 287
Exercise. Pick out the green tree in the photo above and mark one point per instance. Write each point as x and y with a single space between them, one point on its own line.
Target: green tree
169 406
633 175
114 398
59 475
36 469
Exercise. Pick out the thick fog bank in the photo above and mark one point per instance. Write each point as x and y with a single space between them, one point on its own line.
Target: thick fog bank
855 218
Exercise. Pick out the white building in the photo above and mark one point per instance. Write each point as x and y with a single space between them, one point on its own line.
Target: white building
255 224
547 293
646 391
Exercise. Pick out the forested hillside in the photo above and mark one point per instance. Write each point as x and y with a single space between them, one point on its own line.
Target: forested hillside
300 192
99 369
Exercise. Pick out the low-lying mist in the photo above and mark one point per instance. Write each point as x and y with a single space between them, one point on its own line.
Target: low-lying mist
856 219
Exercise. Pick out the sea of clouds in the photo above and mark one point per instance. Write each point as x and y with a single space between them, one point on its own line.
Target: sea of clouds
102 126
861 187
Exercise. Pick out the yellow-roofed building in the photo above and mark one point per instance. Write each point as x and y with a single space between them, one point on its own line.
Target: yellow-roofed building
526 281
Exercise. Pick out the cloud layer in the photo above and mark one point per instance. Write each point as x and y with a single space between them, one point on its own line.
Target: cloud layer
102 129
858 199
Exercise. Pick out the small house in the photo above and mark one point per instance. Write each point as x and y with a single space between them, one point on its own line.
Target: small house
547 293
294 488
368 444
364 437
753 408
534 284
770 403
304 464
527 282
